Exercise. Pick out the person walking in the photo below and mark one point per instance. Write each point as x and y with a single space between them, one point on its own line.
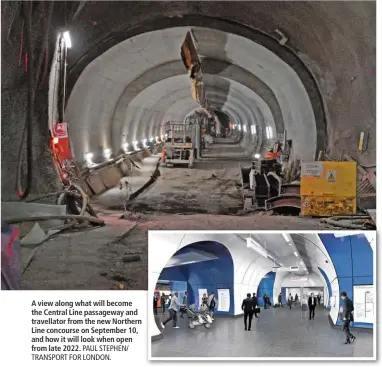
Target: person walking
304 307
248 306
312 303
211 303
172 310
296 298
256 305
185 303
163 302
265 299
347 317
290 300
319 299
280 300
155 303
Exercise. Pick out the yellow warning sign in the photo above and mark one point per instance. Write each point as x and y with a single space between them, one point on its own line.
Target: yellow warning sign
331 176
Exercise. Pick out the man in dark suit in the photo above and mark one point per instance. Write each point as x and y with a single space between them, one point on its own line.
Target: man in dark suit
280 300
312 303
255 303
248 306
347 317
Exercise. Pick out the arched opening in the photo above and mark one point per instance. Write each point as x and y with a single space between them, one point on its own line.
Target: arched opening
201 268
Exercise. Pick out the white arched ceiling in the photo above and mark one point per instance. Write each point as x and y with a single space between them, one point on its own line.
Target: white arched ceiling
92 104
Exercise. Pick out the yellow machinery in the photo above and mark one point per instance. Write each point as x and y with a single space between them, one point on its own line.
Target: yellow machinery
328 188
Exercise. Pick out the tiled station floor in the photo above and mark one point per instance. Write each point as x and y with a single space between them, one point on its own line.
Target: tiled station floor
276 333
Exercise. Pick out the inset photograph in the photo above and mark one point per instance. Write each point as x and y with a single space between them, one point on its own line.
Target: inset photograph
258 295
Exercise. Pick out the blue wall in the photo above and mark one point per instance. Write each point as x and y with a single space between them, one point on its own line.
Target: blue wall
266 287
352 257
211 275
328 284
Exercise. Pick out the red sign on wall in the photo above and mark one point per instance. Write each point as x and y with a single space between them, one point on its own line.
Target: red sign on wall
62 147
60 130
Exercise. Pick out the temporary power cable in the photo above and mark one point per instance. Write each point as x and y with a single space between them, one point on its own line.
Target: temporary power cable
32 87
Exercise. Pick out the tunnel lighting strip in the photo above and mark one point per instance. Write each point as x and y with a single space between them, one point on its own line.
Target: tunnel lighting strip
286 238
255 246
89 158
68 41
295 253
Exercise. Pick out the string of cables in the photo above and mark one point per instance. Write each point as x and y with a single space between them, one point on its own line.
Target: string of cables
33 78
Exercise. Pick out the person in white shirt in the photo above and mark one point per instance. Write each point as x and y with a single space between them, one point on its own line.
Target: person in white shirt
172 310
304 306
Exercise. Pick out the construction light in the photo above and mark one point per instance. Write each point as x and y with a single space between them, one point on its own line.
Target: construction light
107 153
295 254
257 156
151 139
135 145
244 128
68 41
55 140
125 146
144 141
88 158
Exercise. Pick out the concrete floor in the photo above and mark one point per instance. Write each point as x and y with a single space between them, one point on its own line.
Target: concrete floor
276 333
210 192
89 260
210 187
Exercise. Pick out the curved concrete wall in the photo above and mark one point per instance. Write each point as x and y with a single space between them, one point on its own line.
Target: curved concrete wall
322 48
111 114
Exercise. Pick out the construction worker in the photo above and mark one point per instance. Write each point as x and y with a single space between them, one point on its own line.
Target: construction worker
271 154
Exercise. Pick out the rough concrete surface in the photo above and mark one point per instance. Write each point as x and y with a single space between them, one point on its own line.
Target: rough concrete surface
88 260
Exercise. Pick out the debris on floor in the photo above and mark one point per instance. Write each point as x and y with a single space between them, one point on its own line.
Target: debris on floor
361 222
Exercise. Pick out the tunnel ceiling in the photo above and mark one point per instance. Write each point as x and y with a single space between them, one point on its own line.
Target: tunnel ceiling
132 89
330 47
331 58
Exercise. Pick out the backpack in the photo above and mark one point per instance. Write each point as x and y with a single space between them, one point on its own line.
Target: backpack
213 303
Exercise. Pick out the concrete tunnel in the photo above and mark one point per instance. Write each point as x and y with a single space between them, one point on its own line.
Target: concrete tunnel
215 262
269 66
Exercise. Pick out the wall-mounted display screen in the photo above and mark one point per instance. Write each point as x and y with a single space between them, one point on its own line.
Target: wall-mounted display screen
223 300
363 303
